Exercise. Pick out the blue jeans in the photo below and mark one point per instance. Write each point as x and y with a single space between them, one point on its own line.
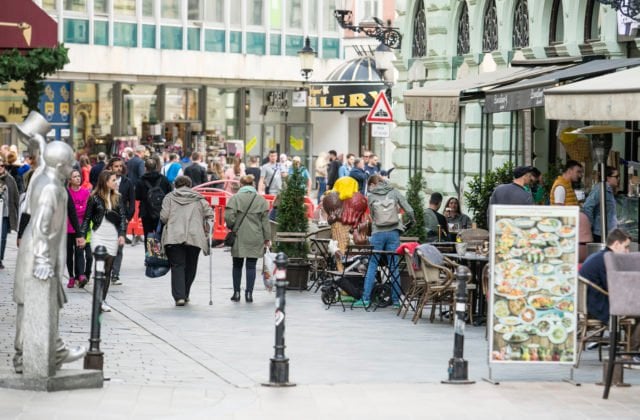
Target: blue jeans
322 186
383 241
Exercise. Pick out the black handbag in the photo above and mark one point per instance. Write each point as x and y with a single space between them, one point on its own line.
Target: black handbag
155 260
230 239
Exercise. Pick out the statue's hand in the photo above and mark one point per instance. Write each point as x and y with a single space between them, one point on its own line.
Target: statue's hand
43 271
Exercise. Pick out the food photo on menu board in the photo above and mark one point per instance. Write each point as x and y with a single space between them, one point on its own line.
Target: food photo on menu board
534 284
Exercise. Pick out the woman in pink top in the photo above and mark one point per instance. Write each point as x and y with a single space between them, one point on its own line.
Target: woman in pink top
75 243
233 173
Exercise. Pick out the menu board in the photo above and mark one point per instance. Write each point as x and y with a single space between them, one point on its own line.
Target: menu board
533 287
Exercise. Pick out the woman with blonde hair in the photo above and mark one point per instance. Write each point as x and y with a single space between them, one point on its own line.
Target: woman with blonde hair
107 219
247 214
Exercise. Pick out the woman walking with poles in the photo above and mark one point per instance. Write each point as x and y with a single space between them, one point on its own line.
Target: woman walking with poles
108 220
184 215
247 215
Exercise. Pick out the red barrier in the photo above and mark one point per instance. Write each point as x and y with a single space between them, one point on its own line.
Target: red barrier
135 225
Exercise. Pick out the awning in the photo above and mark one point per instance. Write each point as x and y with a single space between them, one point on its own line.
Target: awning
354 86
529 93
24 25
440 101
613 97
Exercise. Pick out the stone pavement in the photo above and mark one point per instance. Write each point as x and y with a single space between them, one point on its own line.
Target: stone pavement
203 361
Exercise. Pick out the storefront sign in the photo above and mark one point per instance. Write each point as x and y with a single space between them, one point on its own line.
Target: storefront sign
512 101
380 130
299 99
344 96
54 105
277 101
533 292
24 25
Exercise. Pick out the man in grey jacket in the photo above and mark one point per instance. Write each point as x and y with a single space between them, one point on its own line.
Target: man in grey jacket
513 193
386 226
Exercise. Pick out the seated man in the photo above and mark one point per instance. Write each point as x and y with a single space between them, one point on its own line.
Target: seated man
594 270
435 223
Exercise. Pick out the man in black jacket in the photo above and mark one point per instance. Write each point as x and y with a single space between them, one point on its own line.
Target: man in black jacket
333 169
97 168
135 165
149 213
196 171
359 175
128 199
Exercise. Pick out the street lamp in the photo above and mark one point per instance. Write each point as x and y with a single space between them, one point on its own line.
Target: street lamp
373 27
307 56
383 56
629 8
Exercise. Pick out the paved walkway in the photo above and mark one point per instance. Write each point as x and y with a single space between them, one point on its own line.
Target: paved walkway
208 361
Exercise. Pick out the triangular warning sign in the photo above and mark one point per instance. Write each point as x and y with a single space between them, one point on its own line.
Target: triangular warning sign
381 110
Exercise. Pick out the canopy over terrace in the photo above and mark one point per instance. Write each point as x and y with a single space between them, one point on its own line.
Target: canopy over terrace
613 97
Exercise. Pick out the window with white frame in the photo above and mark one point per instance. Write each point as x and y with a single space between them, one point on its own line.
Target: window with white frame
328 19
255 15
294 14
75 5
147 8
194 10
370 8
312 13
235 12
214 11
49 5
170 9
123 7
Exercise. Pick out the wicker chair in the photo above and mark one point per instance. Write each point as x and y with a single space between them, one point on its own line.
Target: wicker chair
417 286
439 290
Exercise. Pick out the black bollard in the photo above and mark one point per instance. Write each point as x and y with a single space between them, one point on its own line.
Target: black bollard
94 359
279 367
458 367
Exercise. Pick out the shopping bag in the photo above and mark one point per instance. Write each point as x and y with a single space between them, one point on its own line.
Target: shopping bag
155 260
269 269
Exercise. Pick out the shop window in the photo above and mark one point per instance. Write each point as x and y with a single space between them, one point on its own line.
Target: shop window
222 112
124 7
181 104
293 44
171 38
330 48
592 22
314 43
235 42
194 10
214 40
170 9
147 8
49 5
193 39
256 43
139 108
100 7
275 12
75 5
328 19
76 31
275 44
463 30
254 13
92 115
419 48
294 14
556 26
125 34
214 11
101 32
490 27
520 38
148 36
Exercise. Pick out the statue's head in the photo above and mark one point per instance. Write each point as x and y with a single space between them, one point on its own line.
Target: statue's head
59 156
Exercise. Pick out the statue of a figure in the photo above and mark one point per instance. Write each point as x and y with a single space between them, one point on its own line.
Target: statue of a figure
41 260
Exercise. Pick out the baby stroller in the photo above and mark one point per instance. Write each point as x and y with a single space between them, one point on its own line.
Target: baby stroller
350 282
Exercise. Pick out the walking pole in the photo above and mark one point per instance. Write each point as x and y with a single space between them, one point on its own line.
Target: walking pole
211 264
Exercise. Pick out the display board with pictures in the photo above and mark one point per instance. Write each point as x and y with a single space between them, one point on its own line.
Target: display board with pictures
533 291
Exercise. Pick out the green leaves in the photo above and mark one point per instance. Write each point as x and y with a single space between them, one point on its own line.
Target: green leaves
32 67
415 190
292 213
479 190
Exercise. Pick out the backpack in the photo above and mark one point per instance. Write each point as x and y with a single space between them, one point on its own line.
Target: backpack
155 195
385 212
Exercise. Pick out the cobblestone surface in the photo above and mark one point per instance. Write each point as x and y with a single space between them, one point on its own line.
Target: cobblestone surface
208 361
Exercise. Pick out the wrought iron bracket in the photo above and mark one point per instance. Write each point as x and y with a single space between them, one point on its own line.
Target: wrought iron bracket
388 35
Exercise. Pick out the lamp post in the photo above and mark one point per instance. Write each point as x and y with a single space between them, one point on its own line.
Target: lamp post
307 56
601 144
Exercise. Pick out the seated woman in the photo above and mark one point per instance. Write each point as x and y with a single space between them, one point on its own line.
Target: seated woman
457 221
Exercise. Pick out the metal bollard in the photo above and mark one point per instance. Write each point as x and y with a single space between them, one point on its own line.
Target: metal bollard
458 367
94 359
279 367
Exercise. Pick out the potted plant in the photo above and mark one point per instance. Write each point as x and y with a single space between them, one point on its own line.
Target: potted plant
292 218
416 201
479 192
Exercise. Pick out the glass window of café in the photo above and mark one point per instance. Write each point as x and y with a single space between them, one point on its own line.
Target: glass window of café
92 114
75 5
124 7
139 108
223 107
181 104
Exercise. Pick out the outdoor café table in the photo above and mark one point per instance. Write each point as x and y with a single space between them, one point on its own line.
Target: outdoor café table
476 262
388 261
